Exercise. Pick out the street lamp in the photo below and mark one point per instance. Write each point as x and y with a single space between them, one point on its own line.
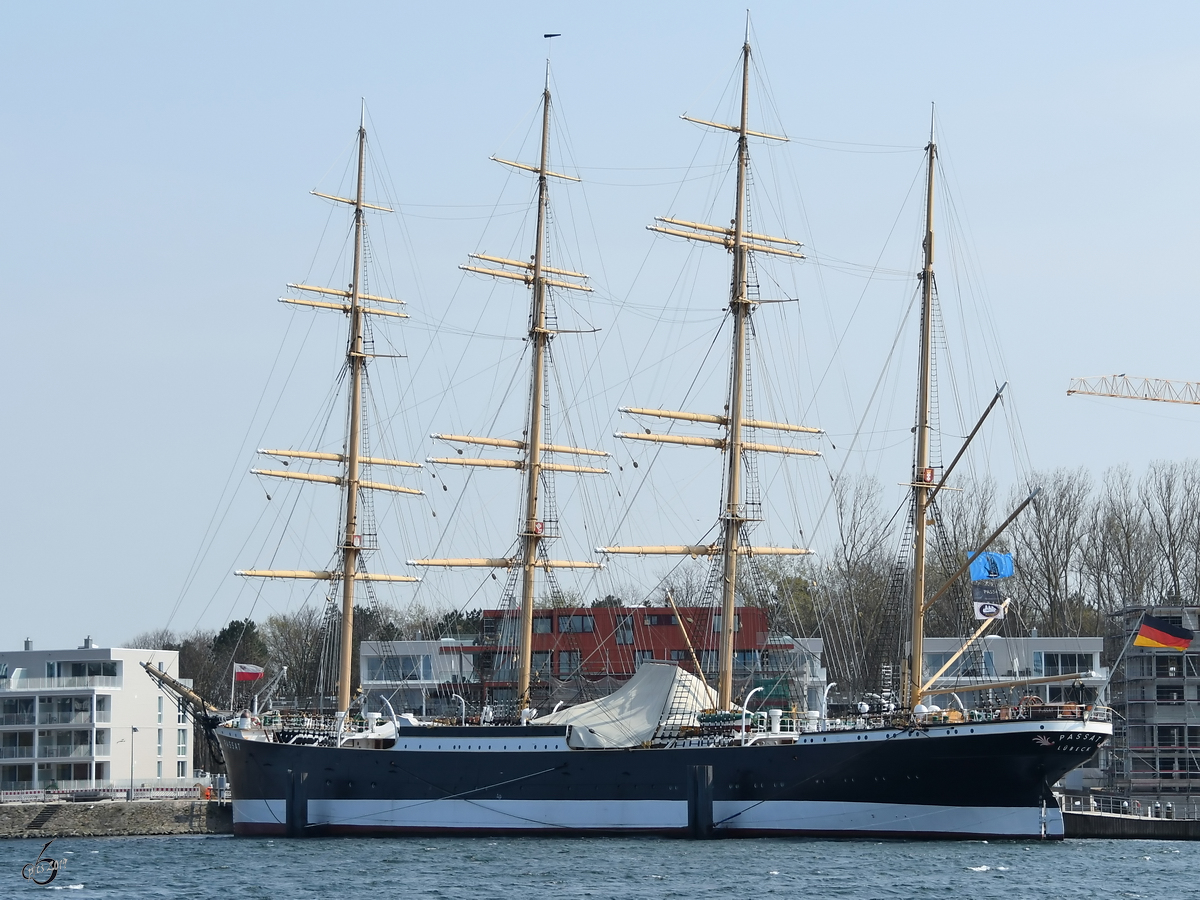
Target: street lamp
132 732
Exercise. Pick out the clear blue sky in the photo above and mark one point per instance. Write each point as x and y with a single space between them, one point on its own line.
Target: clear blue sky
157 159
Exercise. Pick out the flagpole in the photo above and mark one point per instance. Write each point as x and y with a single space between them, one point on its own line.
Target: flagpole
232 688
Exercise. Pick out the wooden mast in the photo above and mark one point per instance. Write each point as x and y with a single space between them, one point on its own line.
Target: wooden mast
538 338
536 274
739 305
740 243
354 358
350 549
923 473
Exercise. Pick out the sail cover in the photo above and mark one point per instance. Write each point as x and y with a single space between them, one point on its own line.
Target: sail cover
658 693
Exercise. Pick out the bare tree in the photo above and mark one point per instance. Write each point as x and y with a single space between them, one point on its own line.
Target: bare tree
294 640
1119 558
1171 498
156 639
1049 540
852 586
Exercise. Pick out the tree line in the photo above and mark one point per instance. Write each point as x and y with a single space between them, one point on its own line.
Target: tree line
1083 550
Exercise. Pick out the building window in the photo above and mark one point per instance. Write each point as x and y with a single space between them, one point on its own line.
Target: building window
1170 735
1071 694
680 655
160 767
543 624
160 710
181 769
660 619
966 666
1169 693
103 708
624 629
641 656
182 720
737 622
160 742
745 660
88 669
400 668
568 662
182 749
1168 665
576 624
18 711
539 663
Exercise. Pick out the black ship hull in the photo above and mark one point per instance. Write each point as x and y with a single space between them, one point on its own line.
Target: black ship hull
967 780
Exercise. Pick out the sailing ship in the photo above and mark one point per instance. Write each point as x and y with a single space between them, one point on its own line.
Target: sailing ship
664 753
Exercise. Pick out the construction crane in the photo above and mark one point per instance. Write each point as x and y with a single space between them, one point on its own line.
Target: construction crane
1137 388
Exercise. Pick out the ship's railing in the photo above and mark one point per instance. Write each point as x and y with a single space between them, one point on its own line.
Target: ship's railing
758 723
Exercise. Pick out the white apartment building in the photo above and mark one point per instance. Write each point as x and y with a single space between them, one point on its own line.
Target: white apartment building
415 676
999 658
90 718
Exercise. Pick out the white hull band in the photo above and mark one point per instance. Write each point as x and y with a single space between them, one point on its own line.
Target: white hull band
812 817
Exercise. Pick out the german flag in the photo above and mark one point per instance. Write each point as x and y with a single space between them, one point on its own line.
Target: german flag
1156 632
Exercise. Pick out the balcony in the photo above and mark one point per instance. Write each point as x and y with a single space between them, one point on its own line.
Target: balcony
16 753
17 719
51 717
64 752
53 684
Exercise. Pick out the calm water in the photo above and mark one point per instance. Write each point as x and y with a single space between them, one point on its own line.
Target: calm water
523 868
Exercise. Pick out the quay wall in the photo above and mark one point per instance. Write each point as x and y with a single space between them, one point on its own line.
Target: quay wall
1113 825
114 818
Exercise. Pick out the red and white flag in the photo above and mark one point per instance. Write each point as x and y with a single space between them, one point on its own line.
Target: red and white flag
246 672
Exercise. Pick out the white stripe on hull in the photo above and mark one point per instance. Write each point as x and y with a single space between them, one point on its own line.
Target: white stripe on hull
549 815
260 812
779 816
890 818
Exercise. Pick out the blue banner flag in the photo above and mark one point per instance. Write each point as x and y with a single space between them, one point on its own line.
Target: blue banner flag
991 565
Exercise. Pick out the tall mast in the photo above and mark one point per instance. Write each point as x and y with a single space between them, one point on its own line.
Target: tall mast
538 339
740 243
923 474
354 357
739 305
538 275
350 302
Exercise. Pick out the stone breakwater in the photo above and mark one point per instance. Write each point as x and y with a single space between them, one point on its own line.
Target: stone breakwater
114 818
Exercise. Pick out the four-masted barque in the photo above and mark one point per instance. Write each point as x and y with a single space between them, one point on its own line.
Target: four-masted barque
664 753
